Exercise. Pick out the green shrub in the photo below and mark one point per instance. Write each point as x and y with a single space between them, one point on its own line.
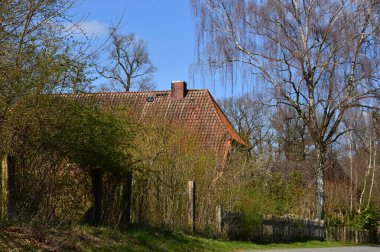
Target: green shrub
366 219
251 223
335 221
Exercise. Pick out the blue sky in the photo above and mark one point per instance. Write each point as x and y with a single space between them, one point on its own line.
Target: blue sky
167 26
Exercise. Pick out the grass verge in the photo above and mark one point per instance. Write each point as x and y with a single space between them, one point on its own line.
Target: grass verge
84 238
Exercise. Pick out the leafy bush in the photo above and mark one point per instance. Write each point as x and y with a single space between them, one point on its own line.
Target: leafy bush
335 221
251 224
58 142
366 219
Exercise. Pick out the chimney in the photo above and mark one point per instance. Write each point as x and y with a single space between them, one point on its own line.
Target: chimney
179 90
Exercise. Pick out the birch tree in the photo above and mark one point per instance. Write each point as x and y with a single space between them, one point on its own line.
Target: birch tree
320 57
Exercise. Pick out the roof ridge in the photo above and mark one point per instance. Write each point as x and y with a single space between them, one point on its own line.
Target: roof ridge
129 92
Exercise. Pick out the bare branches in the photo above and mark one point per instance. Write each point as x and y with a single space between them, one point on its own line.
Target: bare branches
129 62
312 41
319 56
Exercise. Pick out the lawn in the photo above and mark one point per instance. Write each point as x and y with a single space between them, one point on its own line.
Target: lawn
84 238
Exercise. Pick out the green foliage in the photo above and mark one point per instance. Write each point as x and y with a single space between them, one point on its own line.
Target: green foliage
282 191
249 225
366 219
84 134
254 191
335 221
37 52
257 190
94 138
57 141
38 55
168 156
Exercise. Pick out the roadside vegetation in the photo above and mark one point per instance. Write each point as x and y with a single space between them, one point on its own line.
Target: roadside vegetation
85 238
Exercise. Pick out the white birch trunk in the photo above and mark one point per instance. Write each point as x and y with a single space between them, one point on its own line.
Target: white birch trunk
320 185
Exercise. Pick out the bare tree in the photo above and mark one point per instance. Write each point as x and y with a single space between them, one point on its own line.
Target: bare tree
320 57
251 119
292 134
129 62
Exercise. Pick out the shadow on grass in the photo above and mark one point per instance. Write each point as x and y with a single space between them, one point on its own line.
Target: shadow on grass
145 238
16 239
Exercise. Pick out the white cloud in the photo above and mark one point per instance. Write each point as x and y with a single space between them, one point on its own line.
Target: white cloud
93 28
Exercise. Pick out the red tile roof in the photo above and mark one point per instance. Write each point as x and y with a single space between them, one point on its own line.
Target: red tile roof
197 109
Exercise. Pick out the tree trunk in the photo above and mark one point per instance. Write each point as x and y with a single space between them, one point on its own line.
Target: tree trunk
126 200
96 176
320 184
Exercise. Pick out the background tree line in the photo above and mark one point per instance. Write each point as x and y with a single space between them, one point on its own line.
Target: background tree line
319 58
280 138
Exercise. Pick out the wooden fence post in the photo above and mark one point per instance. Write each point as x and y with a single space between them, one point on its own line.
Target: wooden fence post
11 163
191 212
356 236
219 219
344 234
322 230
126 200
4 187
8 184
